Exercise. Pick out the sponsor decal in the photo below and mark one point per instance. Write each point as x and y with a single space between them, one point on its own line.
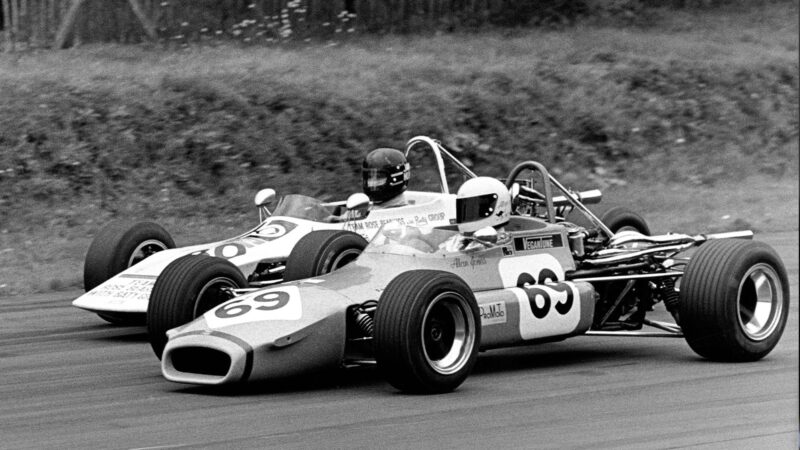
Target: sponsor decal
493 313
421 220
538 242
128 289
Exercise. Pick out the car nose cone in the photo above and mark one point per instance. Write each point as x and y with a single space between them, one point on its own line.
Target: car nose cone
207 357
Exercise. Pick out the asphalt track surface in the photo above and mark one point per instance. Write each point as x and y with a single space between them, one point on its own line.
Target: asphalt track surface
68 380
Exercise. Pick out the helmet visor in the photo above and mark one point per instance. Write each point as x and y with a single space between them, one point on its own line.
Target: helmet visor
471 209
374 179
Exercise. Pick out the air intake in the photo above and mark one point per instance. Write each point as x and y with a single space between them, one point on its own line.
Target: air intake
201 361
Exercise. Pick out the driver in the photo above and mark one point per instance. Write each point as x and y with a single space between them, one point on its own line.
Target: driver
483 205
385 174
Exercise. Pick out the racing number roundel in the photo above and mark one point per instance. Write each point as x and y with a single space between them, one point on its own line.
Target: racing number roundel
547 307
274 230
275 304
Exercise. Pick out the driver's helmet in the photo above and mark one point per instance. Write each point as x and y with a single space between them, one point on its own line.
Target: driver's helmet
385 174
482 202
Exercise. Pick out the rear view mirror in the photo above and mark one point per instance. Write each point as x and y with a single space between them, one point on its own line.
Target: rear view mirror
357 203
264 199
486 235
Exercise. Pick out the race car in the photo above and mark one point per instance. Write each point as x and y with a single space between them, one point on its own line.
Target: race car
118 280
420 303
124 260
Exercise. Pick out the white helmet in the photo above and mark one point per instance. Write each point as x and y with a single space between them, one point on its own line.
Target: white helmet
482 202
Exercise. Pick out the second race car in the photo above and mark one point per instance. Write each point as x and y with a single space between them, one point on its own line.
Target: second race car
421 302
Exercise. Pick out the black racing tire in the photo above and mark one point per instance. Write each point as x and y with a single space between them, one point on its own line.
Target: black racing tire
620 218
120 245
322 251
427 332
187 288
734 300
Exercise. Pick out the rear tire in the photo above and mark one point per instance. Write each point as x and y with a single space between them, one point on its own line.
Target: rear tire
427 332
320 252
734 300
621 218
120 245
187 288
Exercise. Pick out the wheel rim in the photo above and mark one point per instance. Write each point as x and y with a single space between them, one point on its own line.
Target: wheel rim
627 228
213 293
145 249
759 303
344 258
448 333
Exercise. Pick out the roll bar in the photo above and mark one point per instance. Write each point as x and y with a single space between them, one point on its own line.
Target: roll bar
572 198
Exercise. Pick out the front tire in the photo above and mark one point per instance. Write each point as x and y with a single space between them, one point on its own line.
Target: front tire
621 218
120 245
187 288
734 300
427 332
323 251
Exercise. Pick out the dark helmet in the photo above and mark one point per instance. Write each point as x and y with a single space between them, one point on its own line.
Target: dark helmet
385 174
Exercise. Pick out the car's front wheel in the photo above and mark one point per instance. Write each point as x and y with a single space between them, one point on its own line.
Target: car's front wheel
187 288
322 251
621 218
427 332
116 247
734 300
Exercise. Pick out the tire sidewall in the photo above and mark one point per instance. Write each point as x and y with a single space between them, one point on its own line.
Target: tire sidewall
175 294
620 217
336 247
112 248
740 266
415 330
399 326
314 253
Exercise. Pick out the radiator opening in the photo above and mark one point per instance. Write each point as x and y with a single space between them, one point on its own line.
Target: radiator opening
200 360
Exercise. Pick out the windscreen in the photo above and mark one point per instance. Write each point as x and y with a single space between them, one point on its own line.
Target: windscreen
398 239
302 207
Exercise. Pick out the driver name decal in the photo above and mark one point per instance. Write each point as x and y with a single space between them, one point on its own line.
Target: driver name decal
274 304
473 261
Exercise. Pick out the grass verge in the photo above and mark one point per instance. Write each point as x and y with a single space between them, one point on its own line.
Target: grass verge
682 112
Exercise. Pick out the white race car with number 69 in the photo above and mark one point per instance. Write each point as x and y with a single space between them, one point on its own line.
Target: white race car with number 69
421 302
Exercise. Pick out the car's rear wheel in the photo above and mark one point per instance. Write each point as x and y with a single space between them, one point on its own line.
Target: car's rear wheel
187 288
734 300
116 247
620 218
427 332
323 251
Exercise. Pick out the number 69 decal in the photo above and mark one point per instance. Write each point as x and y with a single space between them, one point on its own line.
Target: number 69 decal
275 304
